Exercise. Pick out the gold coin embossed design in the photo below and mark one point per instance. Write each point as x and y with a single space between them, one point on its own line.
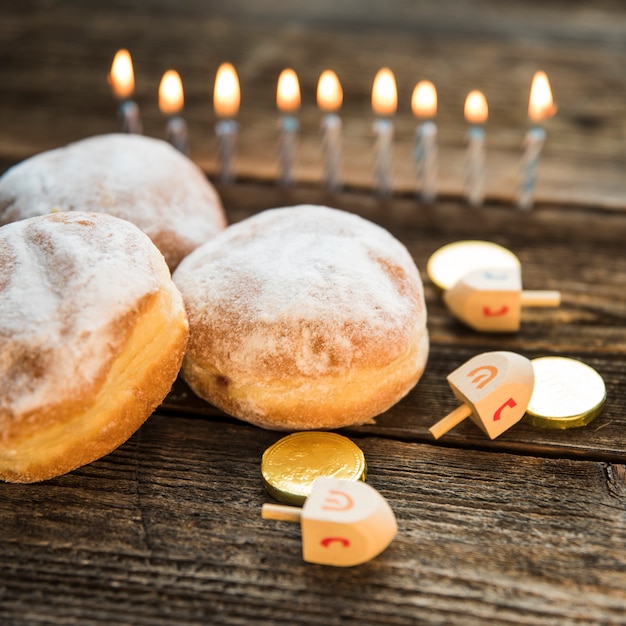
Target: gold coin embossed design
447 265
568 393
290 466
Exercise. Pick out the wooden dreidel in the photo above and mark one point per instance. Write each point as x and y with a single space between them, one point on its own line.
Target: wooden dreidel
344 523
491 300
494 389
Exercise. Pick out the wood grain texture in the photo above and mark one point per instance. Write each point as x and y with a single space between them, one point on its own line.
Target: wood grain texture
168 528
527 529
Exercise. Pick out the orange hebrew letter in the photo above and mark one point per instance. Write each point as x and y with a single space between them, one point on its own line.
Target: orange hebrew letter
342 502
489 372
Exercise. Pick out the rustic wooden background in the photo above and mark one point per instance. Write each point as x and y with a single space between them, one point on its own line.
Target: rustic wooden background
527 529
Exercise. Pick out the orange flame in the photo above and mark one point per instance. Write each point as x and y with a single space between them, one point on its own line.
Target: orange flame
122 76
540 104
384 93
226 93
288 92
329 92
171 97
476 109
424 100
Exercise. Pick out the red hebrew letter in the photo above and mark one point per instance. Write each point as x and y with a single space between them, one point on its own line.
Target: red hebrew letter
344 542
498 414
487 312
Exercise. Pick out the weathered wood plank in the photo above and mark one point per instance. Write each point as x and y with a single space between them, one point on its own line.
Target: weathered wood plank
168 528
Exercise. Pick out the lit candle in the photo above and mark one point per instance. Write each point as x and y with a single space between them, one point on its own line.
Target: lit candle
424 106
540 108
476 113
288 103
122 81
226 101
171 101
384 103
329 99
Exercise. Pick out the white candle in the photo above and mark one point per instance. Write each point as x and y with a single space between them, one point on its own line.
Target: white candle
476 112
531 149
540 108
171 100
384 103
226 101
130 119
122 81
226 132
288 102
329 99
287 148
424 105
177 133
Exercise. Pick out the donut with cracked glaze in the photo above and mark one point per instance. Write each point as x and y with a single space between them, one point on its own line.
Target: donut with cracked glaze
303 317
92 335
140 179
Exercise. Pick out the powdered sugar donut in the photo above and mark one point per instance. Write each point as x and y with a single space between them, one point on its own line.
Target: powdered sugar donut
303 317
92 335
139 179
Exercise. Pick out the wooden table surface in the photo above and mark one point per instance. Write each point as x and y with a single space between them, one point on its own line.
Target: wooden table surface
527 529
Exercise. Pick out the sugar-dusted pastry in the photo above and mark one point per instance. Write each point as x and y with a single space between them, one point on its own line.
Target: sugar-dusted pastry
137 178
304 317
92 335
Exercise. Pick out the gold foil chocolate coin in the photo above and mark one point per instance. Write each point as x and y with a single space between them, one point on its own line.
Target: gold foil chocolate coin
290 466
568 393
447 265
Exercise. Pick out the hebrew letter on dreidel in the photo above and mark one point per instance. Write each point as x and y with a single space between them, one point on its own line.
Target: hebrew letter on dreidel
343 523
493 388
490 300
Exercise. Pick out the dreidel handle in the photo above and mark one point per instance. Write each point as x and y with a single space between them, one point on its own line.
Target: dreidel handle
281 512
450 421
541 298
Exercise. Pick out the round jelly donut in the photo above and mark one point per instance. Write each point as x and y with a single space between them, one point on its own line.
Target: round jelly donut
92 335
303 317
143 180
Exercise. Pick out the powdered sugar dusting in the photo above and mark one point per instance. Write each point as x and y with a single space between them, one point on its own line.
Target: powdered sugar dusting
69 279
305 290
137 178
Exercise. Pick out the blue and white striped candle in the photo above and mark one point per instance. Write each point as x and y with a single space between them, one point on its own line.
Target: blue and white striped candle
288 103
226 101
476 113
424 107
384 104
540 108
122 81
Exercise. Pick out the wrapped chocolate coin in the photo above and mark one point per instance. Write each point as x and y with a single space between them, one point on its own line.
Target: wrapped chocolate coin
568 393
447 265
290 466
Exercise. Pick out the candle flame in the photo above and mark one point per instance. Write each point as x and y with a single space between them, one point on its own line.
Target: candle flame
121 76
329 92
288 92
171 97
424 100
384 93
226 93
540 104
476 109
